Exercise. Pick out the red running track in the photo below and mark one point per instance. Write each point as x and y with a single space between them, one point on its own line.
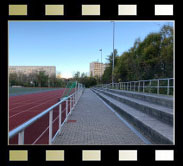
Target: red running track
23 108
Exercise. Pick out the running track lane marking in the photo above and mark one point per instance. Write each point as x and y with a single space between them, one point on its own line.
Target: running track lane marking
27 110
32 102
33 99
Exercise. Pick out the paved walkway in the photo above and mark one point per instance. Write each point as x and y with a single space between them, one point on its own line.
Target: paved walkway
93 123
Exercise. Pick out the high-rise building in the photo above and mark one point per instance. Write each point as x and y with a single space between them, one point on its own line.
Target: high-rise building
49 70
97 69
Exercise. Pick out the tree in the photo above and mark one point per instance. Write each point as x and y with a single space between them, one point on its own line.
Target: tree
13 79
107 76
42 79
147 59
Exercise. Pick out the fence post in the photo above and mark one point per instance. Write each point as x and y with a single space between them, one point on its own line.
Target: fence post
168 90
71 104
150 87
21 138
130 86
50 126
66 108
158 88
60 116
127 86
134 86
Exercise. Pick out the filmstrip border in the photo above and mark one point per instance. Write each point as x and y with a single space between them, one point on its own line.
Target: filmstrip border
91 155
62 155
91 10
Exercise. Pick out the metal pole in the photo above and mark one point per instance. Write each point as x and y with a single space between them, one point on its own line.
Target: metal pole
70 104
101 66
60 117
130 86
67 108
150 87
113 54
21 138
50 126
158 87
168 91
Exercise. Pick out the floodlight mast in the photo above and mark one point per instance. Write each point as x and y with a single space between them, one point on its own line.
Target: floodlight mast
101 65
113 54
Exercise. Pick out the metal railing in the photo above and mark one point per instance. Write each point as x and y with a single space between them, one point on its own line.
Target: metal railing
158 86
73 98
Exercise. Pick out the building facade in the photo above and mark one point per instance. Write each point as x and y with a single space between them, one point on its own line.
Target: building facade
97 69
49 70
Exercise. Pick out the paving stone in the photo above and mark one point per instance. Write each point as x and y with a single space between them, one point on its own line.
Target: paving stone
95 125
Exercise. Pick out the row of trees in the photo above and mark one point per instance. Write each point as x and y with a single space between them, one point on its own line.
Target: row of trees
147 59
85 80
40 79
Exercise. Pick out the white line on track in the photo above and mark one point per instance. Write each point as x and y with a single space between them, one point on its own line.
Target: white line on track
32 98
28 109
32 102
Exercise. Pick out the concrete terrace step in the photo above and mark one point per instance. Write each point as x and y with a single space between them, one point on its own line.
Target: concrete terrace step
162 113
162 100
155 130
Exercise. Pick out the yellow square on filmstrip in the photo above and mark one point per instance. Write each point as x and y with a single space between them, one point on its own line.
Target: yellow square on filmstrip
54 10
54 155
15 10
90 10
91 155
18 155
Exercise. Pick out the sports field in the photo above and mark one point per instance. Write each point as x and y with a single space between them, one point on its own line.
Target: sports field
24 107
27 90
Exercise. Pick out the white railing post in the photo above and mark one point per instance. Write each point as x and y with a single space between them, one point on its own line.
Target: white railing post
74 99
127 86
130 86
158 88
71 104
150 87
50 126
21 138
66 108
60 117
168 90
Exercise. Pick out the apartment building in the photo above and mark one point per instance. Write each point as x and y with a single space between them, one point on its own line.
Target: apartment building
49 70
97 69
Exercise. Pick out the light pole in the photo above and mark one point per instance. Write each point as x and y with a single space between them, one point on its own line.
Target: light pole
101 65
113 55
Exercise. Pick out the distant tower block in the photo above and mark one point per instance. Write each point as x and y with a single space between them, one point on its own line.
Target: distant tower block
97 69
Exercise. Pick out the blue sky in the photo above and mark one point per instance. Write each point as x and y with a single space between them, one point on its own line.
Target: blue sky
71 46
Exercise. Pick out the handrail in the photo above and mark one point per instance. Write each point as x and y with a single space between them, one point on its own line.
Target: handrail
141 85
73 99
